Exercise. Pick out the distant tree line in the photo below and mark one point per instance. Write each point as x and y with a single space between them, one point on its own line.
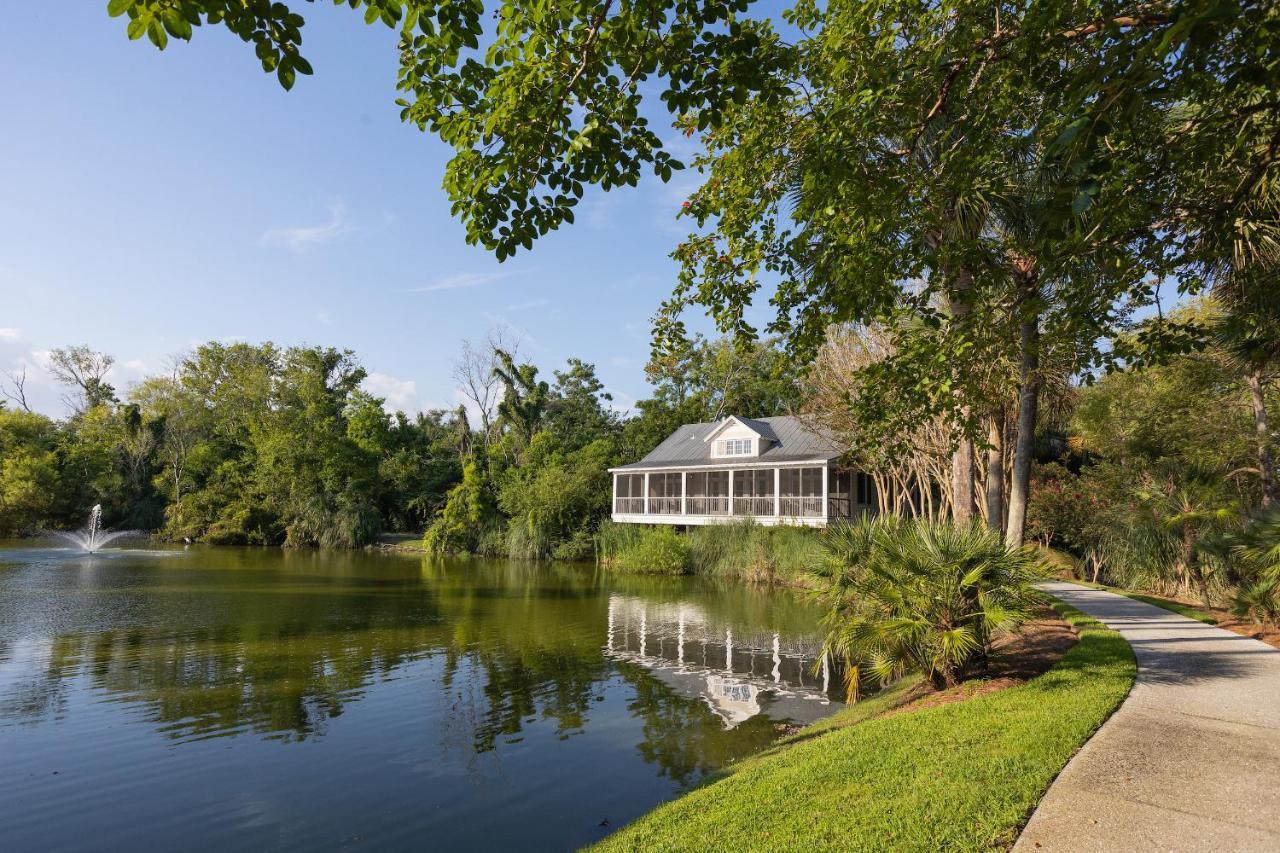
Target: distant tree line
258 444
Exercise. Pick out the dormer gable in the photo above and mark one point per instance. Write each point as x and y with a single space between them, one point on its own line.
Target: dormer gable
736 437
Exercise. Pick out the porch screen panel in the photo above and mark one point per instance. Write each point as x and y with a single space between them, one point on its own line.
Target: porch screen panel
664 493
801 492
753 492
708 492
630 497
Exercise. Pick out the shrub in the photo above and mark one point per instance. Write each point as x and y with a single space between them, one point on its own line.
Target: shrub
1255 557
903 595
645 550
744 549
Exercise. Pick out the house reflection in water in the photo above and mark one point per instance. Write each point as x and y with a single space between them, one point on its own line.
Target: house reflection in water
737 676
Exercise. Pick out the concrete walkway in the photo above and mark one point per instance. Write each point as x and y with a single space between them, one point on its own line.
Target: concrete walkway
1190 761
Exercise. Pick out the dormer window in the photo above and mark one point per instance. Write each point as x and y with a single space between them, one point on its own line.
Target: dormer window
737 447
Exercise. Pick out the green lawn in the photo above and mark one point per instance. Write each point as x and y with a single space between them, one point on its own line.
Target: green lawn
963 776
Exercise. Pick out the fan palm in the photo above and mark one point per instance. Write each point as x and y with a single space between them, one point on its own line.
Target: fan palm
904 595
1255 553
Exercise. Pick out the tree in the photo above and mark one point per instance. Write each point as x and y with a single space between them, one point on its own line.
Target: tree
524 398
475 373
913 595
29 476
577 412
85 372
1250 340
15 389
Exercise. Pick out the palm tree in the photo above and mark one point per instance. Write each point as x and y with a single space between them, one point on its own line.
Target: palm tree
1251 341
913 595
1255 559
1189 511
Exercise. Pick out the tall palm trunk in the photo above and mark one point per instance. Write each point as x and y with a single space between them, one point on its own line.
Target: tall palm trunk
963 502
1028 410
995 472
1266 463
1191 567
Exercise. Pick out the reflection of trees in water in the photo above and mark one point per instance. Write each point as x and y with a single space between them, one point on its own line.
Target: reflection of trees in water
280 648
682 735
43 697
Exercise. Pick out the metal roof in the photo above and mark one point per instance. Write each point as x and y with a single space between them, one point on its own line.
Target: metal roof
792 439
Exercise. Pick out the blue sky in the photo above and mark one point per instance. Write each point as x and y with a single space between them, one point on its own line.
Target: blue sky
150 201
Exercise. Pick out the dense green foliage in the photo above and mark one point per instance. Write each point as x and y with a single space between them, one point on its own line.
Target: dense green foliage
246 444
241 444
961 776
741 550
536 484
1163 482
910 595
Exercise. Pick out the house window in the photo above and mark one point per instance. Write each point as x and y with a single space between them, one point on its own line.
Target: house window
736 447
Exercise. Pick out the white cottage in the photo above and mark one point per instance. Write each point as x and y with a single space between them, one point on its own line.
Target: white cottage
774 470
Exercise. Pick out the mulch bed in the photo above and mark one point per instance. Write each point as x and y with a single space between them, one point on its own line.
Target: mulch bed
1268 634
1015 659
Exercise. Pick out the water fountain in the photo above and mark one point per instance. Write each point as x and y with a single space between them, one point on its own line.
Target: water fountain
92 538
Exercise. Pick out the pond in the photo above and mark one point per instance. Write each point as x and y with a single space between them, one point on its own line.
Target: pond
226 698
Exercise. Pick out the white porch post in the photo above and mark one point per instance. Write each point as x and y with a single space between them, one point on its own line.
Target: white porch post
615 492
646 492
684 492
732 475
826 499
777 492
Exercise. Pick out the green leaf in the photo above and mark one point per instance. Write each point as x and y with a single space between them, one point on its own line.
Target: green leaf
285 72
156 33
116 8
176 25
137 28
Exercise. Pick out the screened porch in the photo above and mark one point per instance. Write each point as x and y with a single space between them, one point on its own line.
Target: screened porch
804 494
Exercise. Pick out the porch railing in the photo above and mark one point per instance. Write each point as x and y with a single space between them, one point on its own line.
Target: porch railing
664 506
709 506
628 505
753 506
800 507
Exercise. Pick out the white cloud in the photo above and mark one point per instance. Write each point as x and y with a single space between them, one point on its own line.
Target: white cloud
303 237
460 280
599 212
324 318
137 365
528 306
10 335
397 393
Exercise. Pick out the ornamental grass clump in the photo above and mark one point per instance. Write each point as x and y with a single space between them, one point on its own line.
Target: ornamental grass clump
656 550
914 595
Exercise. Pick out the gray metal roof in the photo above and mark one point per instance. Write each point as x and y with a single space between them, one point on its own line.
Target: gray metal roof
792 439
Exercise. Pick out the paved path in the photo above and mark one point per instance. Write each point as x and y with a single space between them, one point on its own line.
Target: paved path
1190 761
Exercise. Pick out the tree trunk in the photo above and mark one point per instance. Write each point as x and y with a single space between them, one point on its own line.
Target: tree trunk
995 472
1266 463
963 503
1191 566
1028 405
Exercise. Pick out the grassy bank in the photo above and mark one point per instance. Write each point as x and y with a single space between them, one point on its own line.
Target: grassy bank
738 550
963 776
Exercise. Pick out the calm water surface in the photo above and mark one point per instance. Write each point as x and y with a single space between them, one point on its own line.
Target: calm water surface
220 698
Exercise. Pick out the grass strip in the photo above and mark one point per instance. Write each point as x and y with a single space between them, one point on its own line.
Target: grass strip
1169 604
962 776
